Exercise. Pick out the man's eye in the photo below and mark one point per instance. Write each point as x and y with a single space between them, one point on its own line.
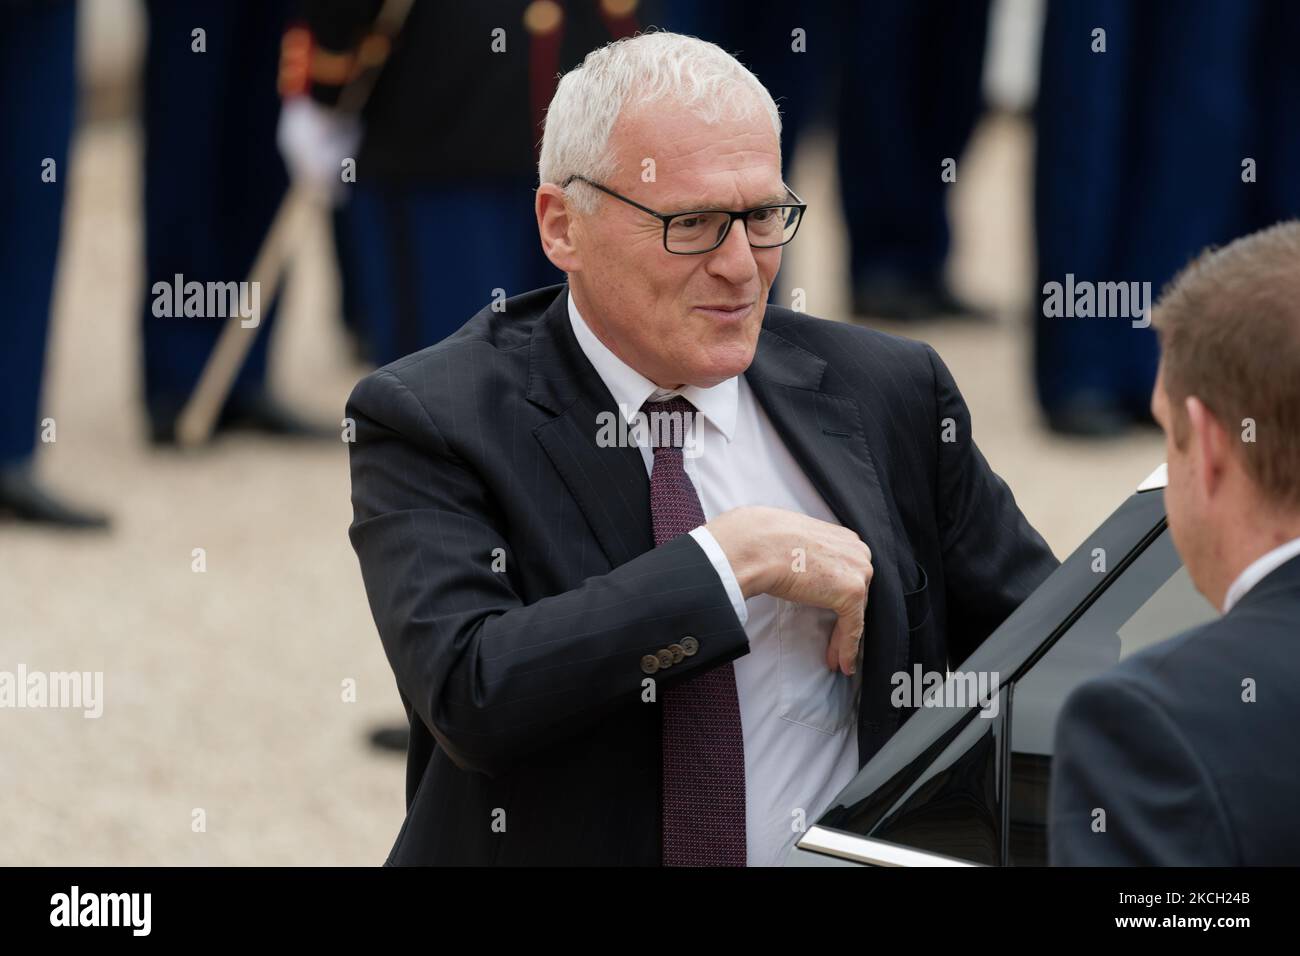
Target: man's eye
688 222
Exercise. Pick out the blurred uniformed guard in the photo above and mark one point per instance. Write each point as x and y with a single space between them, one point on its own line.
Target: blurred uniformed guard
38 93
440 215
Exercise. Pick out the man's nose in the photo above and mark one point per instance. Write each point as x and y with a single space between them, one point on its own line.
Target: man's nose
734 259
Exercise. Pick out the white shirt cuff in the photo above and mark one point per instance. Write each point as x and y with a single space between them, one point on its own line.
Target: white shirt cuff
718 558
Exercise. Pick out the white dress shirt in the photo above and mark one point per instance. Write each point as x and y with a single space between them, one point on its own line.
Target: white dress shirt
799 719
1258 570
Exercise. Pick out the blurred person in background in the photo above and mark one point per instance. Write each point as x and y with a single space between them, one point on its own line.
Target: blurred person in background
1163 127
439 216
37 53
902 84
213 181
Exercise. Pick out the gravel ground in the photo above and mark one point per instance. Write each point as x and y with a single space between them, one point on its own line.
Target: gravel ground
223 691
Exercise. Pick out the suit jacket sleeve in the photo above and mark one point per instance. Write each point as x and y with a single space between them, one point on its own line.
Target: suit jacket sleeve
1118 751
992 557
495 679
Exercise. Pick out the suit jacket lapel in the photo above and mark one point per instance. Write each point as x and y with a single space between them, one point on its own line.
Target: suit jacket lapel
610 484
824 433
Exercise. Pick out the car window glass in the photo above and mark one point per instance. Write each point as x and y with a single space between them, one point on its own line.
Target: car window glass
1152 599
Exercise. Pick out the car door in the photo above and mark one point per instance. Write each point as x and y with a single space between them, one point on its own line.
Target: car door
957 785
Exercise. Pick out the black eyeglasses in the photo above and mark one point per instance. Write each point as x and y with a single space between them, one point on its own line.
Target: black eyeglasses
703 230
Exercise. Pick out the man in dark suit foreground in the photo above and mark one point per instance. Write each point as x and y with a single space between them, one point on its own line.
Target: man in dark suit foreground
644 552
1186 753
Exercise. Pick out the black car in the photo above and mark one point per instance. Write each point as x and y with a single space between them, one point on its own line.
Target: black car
965 785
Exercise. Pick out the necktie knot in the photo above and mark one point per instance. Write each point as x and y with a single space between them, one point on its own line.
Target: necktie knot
668 423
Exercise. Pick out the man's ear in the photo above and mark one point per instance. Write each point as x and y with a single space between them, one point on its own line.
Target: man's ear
1157 395
556 225
1210 448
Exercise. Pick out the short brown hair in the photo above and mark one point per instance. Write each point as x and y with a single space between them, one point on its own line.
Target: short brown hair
1229 326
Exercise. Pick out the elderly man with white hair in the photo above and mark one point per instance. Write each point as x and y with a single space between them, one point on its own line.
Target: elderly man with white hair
645 552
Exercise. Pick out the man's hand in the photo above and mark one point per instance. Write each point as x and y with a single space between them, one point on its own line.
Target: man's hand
762 545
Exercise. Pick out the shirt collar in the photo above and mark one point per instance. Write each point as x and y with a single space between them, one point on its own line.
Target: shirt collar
631 389
1258 570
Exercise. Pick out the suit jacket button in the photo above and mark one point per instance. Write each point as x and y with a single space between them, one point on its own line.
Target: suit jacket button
665 658
678 652
649 664
689 646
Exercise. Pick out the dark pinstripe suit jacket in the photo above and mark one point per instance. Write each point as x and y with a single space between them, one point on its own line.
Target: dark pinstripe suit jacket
510 567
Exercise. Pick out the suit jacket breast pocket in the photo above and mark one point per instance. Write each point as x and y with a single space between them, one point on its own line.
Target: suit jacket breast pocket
811 694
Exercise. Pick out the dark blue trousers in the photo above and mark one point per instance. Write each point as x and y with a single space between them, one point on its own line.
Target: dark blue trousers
1139 162
910 95
900 81
213 177
37 104
425 258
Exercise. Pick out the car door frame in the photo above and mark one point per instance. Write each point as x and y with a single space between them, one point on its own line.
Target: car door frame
854 828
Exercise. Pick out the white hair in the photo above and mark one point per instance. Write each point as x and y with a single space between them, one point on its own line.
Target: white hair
630 73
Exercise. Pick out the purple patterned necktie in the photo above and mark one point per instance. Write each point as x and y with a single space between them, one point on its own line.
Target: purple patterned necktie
703 747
